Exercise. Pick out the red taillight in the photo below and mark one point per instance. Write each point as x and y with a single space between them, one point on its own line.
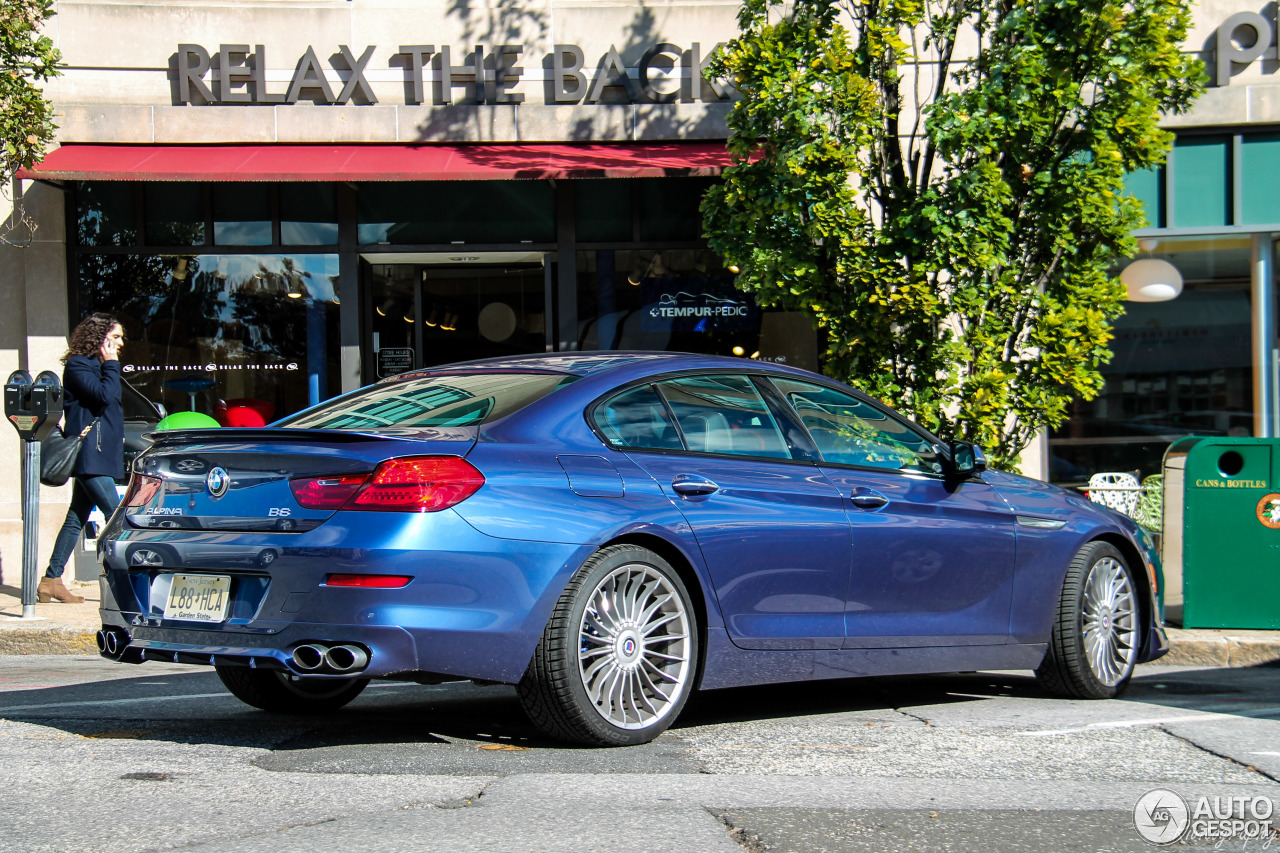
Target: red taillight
141 490
411 484
419 484
368 581
327 492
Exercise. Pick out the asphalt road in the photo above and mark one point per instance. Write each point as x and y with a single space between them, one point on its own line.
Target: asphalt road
97 756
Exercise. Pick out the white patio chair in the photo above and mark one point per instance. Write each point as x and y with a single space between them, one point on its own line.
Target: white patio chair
1118 490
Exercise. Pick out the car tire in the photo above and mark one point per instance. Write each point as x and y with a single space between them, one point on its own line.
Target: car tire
617 660
1096 632
284 693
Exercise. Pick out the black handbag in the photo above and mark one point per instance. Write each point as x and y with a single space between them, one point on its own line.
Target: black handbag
58 453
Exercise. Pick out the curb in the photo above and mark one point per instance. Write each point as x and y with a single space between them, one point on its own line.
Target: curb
51 640
1226 651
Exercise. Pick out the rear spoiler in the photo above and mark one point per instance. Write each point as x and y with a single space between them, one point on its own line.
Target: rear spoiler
168 438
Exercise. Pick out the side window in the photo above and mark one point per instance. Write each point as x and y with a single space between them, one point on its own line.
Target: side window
724 414
637 418
851 432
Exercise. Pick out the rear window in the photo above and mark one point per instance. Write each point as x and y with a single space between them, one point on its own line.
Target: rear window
431 401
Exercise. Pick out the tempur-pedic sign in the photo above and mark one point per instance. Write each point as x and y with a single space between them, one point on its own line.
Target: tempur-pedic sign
237 74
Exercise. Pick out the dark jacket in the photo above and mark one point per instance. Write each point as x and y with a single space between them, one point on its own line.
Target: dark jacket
93 391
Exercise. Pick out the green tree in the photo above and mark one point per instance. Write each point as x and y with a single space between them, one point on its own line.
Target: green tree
940 183
26 56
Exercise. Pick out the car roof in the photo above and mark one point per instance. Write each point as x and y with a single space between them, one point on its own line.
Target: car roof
606 361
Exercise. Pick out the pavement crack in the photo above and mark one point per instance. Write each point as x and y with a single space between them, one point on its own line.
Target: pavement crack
1216 754
924 720
744 839
462 802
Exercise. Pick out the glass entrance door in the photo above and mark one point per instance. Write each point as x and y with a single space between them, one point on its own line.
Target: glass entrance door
424 314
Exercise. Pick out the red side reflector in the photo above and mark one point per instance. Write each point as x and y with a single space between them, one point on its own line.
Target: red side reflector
419 484
326 492
368 581
141 490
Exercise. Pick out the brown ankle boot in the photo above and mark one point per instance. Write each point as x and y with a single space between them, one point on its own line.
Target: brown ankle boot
55 589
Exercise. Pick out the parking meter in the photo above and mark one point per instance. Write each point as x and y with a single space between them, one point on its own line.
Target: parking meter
34 409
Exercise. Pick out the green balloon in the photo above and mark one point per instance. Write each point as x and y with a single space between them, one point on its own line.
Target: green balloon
187 420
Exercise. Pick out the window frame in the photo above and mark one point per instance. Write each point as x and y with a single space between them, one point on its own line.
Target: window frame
941 448
785 419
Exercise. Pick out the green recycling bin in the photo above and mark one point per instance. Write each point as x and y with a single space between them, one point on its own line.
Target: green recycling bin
1222 531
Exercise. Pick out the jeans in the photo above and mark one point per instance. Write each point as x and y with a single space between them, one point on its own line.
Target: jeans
86 493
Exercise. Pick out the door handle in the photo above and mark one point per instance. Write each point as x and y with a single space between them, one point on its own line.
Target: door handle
867 499
690 485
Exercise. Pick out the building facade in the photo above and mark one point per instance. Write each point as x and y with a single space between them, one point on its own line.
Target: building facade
286 199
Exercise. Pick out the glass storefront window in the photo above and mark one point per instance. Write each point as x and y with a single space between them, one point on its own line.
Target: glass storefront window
308 215
446 212
424 315
243 338
175 214
105 214
602 210
1182 367
242 214
668 208
1202 181
682 300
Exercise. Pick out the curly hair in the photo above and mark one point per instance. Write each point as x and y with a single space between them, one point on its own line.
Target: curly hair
87 337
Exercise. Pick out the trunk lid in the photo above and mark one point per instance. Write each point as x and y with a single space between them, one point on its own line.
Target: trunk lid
239 479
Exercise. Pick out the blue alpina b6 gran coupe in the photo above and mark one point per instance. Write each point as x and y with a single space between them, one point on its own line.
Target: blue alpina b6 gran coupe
609 532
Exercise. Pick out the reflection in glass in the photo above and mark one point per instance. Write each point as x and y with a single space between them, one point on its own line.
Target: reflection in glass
242 214
433 401
175 214
422 316
445 212
308 215
225 318
105 214
1183 367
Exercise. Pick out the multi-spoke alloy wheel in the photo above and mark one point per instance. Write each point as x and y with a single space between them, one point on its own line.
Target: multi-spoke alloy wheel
1110 627
634 652
617 659
1096 635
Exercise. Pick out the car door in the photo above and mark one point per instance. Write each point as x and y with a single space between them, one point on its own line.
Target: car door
933 556
771 528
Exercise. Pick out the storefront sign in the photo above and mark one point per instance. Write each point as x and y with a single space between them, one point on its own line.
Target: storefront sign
1232 35
672 305
394 360
208 367
235 74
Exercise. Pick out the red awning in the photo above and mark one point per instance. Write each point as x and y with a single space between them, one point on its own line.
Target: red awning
489 162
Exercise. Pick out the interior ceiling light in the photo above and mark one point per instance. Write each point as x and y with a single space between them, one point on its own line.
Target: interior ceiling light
1151 280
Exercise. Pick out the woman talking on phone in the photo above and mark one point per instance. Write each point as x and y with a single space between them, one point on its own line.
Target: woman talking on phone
91 384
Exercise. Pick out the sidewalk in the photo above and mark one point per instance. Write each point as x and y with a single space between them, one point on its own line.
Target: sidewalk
68 629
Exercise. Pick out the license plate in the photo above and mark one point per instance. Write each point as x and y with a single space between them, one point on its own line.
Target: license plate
199 598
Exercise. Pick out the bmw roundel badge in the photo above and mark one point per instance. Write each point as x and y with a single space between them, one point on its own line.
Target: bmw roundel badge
218 481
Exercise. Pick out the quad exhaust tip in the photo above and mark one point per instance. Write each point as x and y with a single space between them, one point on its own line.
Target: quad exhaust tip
315 657
110 642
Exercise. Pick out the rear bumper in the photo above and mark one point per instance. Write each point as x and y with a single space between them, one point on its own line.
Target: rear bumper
475 608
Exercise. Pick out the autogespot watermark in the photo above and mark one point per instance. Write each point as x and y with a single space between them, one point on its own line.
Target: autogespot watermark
1163 817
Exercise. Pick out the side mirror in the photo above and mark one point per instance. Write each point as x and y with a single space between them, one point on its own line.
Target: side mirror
967 460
